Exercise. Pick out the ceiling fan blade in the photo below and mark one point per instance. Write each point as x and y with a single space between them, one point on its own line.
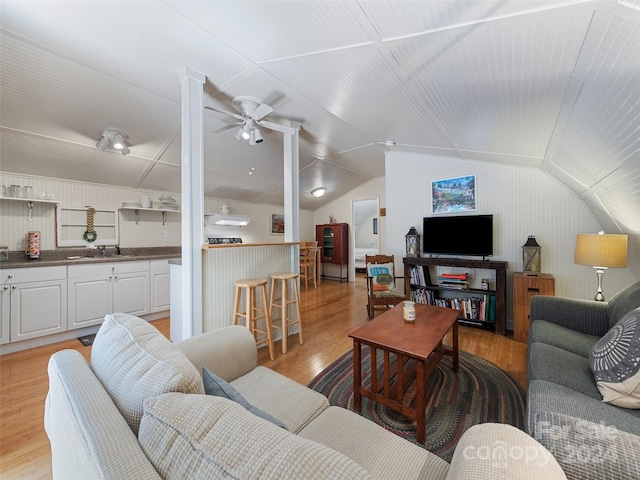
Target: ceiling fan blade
275 98
262 111
277 127
227 127
234 115
291 118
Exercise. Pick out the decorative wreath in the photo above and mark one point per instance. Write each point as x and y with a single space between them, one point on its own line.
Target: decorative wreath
90 235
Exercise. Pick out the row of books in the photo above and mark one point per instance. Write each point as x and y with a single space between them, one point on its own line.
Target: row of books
455 281
481 308
417 276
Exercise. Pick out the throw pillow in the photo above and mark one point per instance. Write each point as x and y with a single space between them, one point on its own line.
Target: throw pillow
382 275
216 386
615 362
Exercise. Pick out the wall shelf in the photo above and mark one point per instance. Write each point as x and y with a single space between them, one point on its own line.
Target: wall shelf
164 212
30 202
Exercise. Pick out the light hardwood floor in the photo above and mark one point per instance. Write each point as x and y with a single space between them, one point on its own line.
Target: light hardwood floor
329 313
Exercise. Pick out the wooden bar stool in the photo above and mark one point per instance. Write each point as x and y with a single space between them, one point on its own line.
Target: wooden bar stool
251 310
283 304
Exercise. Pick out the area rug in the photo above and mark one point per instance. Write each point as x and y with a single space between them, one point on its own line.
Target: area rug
479 392
87 340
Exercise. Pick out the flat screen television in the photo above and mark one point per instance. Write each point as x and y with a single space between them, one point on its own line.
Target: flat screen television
458 235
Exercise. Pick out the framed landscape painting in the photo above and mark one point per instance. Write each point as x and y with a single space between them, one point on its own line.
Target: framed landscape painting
454 194
277 224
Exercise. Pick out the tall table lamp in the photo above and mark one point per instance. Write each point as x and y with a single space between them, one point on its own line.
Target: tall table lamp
601 251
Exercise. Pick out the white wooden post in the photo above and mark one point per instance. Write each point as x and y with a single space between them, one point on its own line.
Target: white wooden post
192 202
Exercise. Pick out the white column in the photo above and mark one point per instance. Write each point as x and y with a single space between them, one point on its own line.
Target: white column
291 186
192 202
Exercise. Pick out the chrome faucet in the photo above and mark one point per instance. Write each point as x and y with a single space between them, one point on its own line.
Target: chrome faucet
102 249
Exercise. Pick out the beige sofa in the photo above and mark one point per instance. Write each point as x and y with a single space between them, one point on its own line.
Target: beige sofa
139 412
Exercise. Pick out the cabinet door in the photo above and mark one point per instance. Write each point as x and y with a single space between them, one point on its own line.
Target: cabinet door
328 238
90 299
341 244
38 308
160 291
131 293
5 312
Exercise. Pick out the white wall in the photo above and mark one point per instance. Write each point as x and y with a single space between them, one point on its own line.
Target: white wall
341 209
523 201
259 230
149 232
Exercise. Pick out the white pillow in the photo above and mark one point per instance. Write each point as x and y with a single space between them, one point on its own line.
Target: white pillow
134 362
615 362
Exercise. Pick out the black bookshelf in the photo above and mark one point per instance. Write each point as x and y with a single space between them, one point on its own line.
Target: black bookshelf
500 291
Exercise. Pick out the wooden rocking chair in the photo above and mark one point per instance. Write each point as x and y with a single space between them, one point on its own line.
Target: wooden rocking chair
382 292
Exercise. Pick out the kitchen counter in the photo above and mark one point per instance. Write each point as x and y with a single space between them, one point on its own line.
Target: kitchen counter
240 245
88 256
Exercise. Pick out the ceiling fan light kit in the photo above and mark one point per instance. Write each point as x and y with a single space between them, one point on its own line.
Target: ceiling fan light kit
251 115
116 138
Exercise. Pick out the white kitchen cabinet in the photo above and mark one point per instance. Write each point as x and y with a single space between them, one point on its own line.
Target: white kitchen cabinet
160 290
96 290
34 302
5 313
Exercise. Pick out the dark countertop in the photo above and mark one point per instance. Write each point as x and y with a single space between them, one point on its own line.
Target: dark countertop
59 257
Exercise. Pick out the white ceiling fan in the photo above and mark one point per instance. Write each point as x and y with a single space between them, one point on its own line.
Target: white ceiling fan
250 116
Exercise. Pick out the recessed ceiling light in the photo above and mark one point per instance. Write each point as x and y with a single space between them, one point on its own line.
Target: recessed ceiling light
318 192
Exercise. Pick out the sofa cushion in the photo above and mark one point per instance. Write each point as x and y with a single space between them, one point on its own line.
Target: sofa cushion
588 450
543 396
615 361
494 451
562 337
556 365
382 453
623 302
290 402
214 385
134 361
201 436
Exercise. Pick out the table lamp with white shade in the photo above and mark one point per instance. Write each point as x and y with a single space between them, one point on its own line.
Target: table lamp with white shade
601 251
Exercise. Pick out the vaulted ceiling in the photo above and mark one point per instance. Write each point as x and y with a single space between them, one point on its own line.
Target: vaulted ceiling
551 84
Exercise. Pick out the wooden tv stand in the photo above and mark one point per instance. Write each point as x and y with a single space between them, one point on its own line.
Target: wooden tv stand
500 291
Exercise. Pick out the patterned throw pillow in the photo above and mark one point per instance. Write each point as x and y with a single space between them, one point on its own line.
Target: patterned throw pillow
615 362
382 274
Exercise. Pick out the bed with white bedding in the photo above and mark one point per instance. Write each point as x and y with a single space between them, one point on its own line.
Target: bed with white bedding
359 254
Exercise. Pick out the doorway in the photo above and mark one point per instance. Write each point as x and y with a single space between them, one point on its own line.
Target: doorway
366 232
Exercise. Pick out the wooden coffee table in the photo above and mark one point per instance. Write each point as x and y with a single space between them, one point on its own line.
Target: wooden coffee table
418 347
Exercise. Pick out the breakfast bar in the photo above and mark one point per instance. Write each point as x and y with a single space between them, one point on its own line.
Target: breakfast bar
223 265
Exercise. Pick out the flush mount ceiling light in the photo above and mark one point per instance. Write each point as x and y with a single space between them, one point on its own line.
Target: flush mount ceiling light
318 192
117 139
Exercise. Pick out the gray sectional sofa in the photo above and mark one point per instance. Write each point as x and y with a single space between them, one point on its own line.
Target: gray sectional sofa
139 411
565 409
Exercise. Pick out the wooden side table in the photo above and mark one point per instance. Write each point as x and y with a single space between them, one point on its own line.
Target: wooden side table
525 287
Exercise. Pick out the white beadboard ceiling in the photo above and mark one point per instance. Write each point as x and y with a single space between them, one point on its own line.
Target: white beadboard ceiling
550 84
